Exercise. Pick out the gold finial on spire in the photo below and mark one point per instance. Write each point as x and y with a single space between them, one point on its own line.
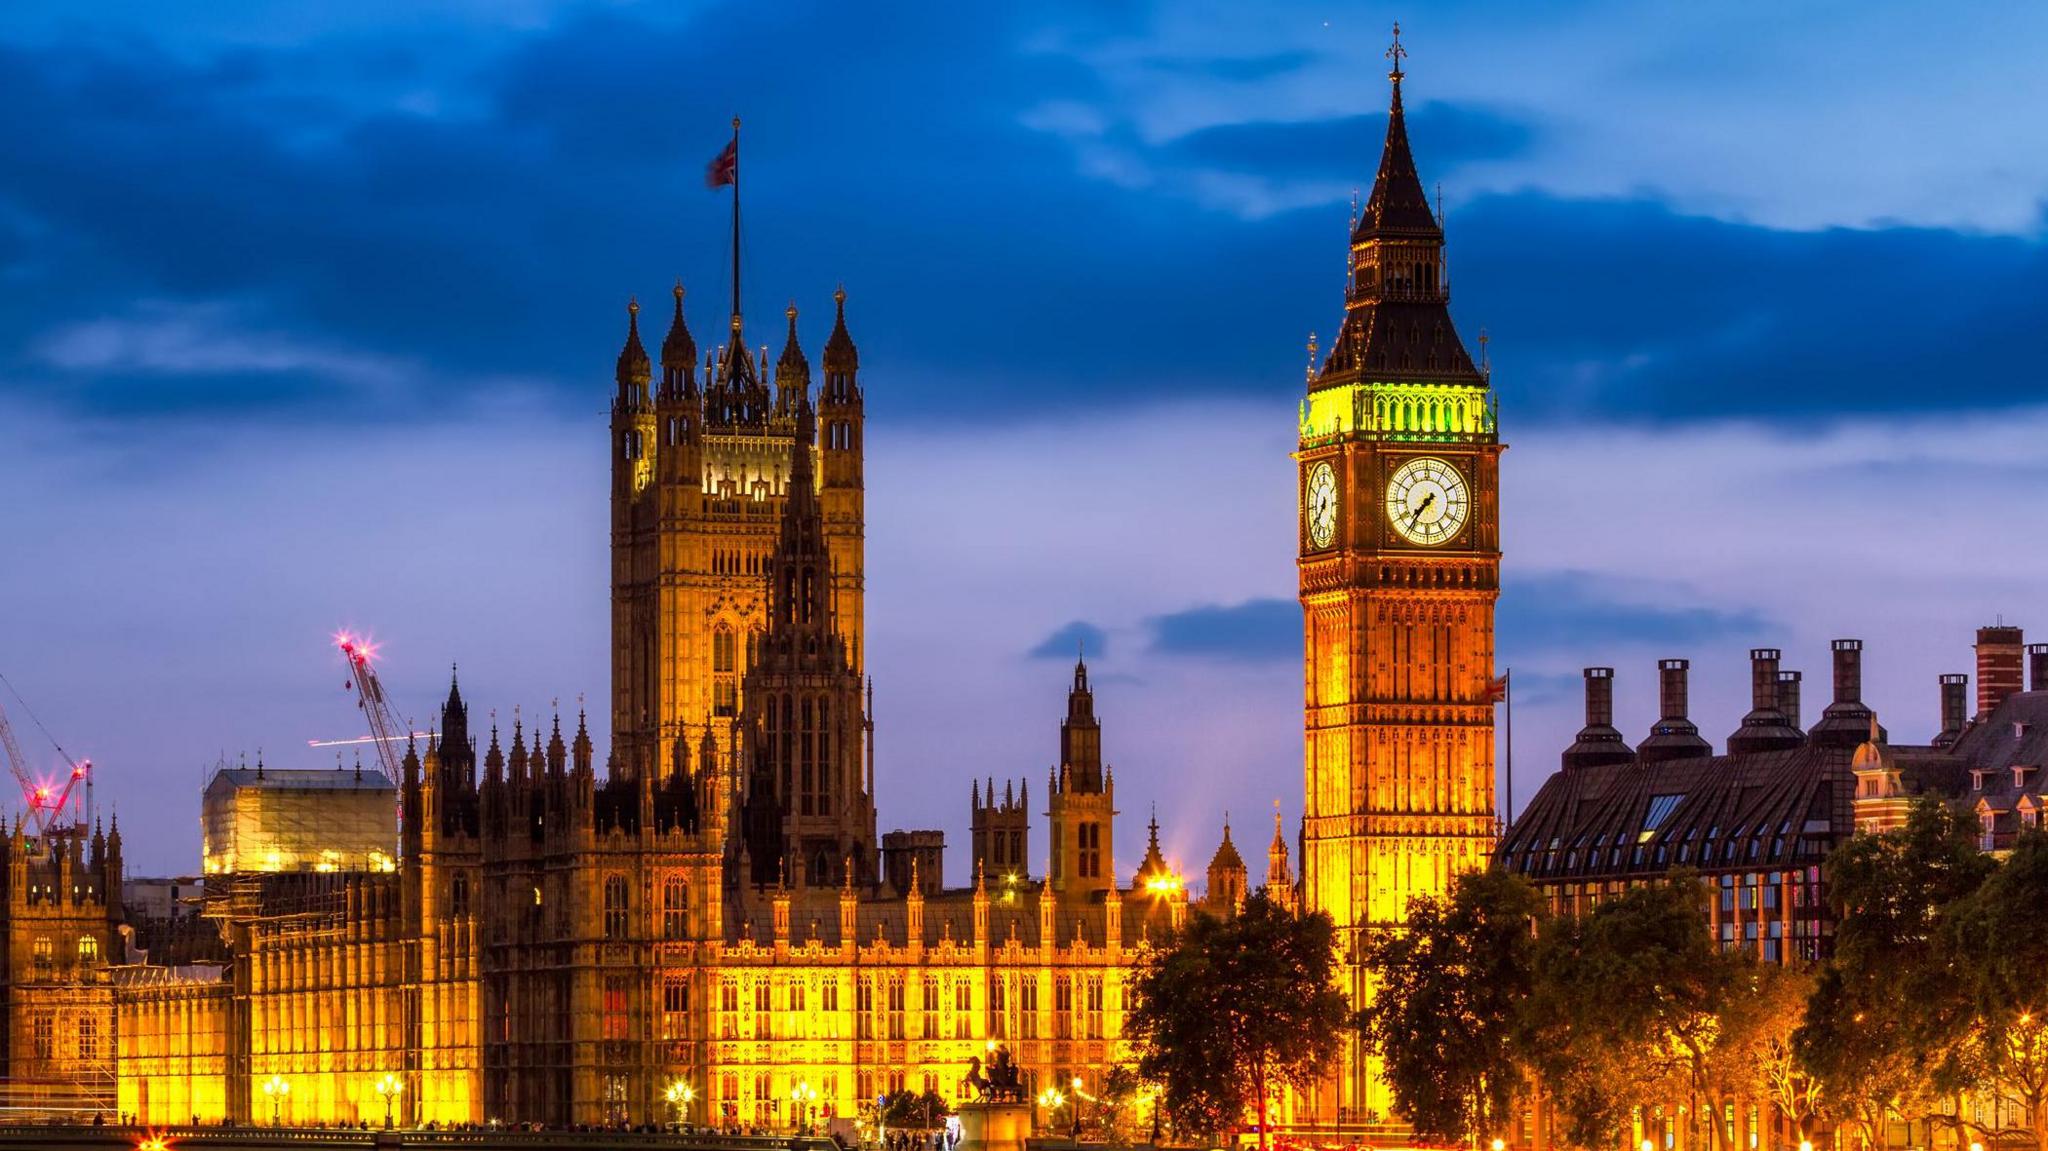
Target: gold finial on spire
1395 53
1310 371
679 289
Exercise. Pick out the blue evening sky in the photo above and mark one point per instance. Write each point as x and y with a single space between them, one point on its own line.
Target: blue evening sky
310 312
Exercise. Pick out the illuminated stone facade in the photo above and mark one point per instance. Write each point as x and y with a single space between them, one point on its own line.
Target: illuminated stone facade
1398 468
62 935
714 908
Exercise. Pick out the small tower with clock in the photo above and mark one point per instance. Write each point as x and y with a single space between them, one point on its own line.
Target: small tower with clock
1399 466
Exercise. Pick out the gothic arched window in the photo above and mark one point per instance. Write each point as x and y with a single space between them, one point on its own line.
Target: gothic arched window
615 909
675 904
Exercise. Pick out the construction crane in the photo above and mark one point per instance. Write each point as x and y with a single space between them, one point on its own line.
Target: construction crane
385 733
45 802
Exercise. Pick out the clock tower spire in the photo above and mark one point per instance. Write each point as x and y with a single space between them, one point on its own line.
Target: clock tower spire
1399 557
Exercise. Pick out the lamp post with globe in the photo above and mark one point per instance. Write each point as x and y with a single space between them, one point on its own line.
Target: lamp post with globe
388 1089
277 1089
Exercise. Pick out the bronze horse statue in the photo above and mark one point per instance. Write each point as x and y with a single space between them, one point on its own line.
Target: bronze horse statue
1003 1083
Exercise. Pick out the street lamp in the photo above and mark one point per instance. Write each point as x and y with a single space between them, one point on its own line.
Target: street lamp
679 1096
800 1098
277 1089
1500 1145
388 1088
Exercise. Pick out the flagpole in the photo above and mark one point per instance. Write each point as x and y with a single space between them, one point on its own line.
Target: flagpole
1509 806
735 224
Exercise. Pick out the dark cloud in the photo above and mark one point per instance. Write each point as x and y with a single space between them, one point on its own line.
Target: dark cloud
1070 639
1256 630
1443 135
1572 611
886 148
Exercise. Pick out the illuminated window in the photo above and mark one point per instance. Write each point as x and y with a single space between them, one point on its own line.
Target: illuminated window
896 1007
675 1008
1027 1007
44 952
764 1011
1062 1007
998 1027
88 949
615 909
44 1029
963 1009
675 904
88 1038
1094 1007
864 1007
729 1009
616 988
928 1027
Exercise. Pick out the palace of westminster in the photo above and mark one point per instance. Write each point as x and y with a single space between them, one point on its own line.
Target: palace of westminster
539 940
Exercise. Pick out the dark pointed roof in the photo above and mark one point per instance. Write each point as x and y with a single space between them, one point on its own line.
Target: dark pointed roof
1397 321
792 368
840 354
633 363
678 348
1226 857
1398 202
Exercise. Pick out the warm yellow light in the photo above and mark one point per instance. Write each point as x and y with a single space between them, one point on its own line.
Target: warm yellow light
1163 884
389 1085
1649 1146
1975 1146
277 1086
153 1143
1500 1145
1077 1082
1806 1145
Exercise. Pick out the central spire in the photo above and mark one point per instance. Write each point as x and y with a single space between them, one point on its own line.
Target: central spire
1397 325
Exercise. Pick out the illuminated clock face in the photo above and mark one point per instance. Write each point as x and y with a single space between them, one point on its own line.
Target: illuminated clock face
1427 501
1321 505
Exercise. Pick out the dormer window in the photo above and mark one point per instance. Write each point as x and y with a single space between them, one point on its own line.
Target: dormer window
2022 774
1977 779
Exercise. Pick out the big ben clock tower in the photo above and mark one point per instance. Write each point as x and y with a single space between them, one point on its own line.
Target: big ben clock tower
1398 470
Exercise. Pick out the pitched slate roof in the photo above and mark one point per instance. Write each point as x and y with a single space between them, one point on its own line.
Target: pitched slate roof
1724 812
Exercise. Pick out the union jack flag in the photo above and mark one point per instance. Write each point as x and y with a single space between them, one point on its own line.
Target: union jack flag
725 169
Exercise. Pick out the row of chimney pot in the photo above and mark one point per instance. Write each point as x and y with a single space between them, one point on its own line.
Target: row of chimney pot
1774 715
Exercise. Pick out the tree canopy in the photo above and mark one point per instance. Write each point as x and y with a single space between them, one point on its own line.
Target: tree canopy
1446 1012
1233 1007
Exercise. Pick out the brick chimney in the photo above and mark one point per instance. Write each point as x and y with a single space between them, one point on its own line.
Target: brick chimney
1673 736
1999 666
1845 723
1955 705
1598 743
1788 697
1765 727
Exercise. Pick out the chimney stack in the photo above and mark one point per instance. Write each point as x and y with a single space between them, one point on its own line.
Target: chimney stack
1954 707
1765 727
1998 666
1846 722
1598 743
1955 702
1673 736
2037 667
1788 697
